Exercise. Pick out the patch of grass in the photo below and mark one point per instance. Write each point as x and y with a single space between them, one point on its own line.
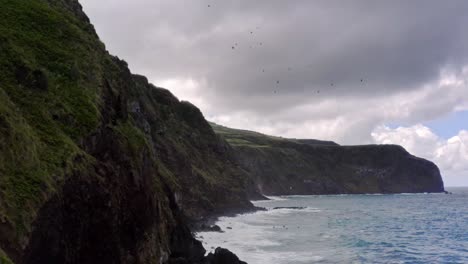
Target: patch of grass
38 39
238 142
167 174
4 259
245 138
132 139
206 175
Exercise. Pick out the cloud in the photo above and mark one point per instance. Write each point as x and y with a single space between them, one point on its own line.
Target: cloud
351 121
309 69
453 154
450 155
392 45
319 51
188 88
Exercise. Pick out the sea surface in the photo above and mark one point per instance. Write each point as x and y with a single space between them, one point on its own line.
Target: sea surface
399 228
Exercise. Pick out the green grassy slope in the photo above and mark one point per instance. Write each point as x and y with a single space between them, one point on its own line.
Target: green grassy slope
95 161
47 102
239 137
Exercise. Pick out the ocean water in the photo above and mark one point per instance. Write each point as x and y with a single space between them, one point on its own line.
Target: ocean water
400 228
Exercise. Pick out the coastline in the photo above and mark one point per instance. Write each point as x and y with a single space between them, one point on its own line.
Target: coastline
267 235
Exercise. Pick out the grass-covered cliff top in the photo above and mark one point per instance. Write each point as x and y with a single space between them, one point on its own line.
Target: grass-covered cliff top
246 138
308 166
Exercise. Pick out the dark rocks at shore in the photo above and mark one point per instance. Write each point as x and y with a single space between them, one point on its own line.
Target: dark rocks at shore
222 256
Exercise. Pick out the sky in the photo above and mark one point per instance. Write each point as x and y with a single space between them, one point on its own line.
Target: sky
355 72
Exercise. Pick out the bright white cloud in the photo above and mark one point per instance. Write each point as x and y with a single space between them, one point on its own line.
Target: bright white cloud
450 155
187 89
453 154
350 120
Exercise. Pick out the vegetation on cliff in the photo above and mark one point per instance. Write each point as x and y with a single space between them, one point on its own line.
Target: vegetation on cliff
48 101
281 166
240 138
107 168
96 161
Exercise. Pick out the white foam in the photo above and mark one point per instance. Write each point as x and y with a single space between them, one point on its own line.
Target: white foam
262 257
415 194
271 198
255 240
248 231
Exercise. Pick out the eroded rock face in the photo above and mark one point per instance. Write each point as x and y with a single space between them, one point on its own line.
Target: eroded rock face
281 166
222 256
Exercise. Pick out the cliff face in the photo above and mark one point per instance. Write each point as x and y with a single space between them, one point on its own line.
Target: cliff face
281 166
96 164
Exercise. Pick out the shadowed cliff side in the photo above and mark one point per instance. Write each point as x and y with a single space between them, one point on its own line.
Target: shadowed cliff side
96 164
282 166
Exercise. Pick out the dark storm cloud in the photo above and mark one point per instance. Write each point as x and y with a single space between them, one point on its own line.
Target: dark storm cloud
262 56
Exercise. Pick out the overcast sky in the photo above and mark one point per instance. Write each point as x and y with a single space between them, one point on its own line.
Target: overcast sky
355 72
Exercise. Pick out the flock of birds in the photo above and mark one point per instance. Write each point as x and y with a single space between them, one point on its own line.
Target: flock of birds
332 84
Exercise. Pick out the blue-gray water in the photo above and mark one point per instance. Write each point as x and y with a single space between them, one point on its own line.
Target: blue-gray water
412 228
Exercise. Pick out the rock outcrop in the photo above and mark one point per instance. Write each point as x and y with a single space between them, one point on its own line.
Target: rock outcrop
223 256
280 166
96 164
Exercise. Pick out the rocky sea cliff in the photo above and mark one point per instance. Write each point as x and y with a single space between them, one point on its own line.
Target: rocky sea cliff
281 166
97 165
